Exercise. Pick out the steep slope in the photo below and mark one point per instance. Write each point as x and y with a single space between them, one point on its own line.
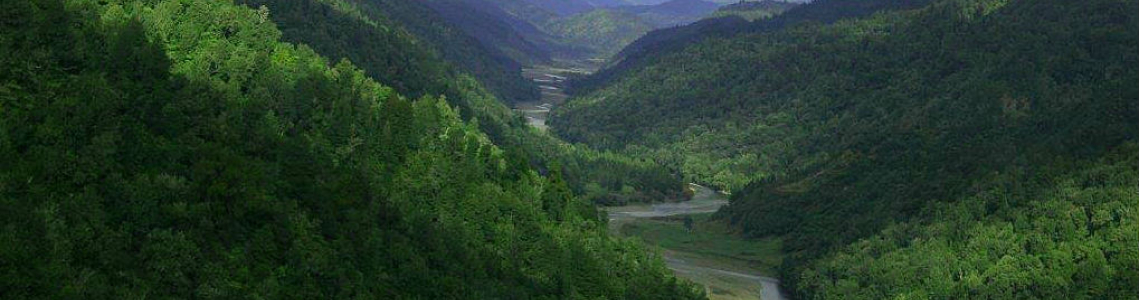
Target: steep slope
827 134
496 29
498 68
668 40
339 29
177 149
605 31
569 30
1070 235
324 24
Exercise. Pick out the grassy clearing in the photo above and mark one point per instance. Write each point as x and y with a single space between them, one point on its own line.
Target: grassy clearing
710 242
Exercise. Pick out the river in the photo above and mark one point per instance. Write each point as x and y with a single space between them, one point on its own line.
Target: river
722 278
551 82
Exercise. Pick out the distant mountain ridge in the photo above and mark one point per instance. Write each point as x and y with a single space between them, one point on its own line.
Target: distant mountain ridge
673 12
754 10
667 40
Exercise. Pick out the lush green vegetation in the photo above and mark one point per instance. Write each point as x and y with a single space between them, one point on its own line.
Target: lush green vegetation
752 11
177 149
709 239
602 177
667 41
564 29
402 42
1071 234
603 30
864 143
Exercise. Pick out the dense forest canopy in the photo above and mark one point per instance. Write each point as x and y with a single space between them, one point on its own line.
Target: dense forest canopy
179 149
367 149
394 50
668 40
964 130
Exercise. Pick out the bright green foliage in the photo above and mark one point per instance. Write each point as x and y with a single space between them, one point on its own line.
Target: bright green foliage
841 131
1074 238
176 149
395 53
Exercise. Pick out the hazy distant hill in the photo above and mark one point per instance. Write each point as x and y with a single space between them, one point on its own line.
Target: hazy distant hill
673 12
604 30
608 3
666 40
497 29
563 7
752 11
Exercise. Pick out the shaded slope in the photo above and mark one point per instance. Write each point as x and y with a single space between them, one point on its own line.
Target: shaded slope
178 149
667 40
838 131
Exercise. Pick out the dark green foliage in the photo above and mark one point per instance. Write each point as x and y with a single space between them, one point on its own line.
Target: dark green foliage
310 22
402 42
829 134
646 50
1073 236
176 149
498 68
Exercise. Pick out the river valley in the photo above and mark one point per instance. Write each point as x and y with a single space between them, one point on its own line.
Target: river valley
708 254
551 81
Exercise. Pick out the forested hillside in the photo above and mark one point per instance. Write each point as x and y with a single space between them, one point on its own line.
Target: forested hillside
565 29
583 167
497 29
606 31
403 42
178 149
666 41
966 149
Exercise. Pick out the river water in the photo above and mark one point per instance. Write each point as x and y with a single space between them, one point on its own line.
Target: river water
551 82
743 282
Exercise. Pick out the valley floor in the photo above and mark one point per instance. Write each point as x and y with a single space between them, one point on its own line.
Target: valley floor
728 266
552 82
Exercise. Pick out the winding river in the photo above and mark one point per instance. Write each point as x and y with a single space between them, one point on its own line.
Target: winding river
551 82
697 267
744 282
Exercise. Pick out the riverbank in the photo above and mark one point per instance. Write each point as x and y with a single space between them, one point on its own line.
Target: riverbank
551 81
706 252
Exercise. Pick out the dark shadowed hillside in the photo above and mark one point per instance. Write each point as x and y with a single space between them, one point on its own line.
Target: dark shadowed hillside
664 41
828 134
178 149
